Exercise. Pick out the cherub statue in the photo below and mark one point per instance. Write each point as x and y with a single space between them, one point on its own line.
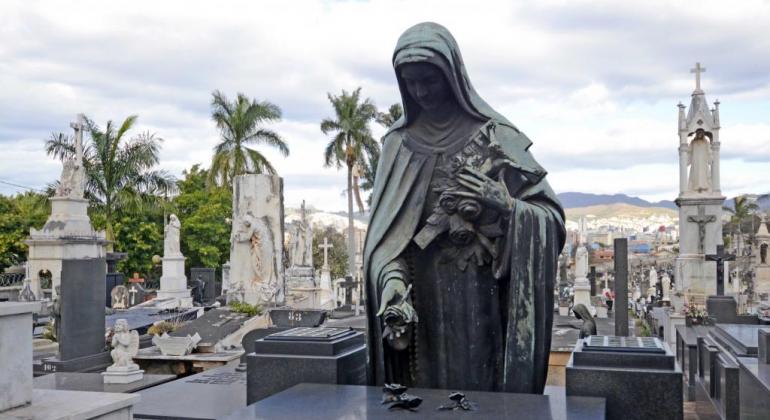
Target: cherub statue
125 345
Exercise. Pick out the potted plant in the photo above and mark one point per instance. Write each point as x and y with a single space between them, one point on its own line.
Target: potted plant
695 315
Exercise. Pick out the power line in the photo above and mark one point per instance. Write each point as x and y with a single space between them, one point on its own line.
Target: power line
2 181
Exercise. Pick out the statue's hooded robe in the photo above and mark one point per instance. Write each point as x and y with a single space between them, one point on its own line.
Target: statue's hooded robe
532 238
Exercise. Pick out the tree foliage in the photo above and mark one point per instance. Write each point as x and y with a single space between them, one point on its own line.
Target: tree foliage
338 257
120 172
205 215
18 214
241 125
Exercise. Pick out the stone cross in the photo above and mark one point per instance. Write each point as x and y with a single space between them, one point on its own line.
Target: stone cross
132 299
701 219
720 257
697 71
326 246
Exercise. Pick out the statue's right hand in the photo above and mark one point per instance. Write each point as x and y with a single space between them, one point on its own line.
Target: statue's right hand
394 290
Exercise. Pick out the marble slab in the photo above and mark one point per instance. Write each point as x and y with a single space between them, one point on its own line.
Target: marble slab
740 339
212 394
93 382
324 401
48 404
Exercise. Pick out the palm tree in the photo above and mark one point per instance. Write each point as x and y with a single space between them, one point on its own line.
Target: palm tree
241 124
119 171
743 208
351 144
369 170
387 119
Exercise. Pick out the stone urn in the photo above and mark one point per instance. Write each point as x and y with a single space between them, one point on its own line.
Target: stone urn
176 346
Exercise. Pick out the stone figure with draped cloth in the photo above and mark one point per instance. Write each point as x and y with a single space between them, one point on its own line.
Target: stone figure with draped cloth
461 251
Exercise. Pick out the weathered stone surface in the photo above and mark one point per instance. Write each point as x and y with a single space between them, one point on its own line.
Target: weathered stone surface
256 250
16 353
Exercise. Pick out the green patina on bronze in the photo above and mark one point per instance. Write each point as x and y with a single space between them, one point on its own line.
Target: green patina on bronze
481 281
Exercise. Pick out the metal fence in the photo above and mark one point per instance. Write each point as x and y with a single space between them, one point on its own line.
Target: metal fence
11 279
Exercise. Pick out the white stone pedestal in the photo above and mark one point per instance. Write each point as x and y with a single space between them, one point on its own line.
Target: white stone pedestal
173 282
16 353
123 374
583 294
67 234
696 277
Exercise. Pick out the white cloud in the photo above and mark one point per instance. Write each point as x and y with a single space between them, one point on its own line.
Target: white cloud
594 84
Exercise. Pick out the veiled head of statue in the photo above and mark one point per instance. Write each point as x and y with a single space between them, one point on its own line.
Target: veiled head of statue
423 51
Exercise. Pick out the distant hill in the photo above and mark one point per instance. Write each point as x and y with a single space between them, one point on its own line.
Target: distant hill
578 199
604 211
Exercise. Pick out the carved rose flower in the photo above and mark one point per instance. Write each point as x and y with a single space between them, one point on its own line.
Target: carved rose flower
469 209
461 232
448 202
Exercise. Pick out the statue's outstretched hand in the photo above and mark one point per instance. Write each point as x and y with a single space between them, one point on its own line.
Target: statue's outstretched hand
397 314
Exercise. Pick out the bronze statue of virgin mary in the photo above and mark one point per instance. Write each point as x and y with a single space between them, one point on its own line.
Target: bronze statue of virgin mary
460 255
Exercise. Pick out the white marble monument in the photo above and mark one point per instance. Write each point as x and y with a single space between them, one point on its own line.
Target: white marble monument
67 234
125 345
173 282
762 259
18 398
582 286
256 241
700 197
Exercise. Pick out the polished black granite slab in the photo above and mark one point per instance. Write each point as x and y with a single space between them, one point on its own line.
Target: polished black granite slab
212 394
323 401
740 339
754 385
94 382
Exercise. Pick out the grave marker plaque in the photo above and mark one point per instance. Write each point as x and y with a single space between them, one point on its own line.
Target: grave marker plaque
319 355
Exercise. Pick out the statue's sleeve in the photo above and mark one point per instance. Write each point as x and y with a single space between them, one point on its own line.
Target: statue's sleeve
527 265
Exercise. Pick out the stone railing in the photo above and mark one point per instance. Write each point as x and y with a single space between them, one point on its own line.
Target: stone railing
11 279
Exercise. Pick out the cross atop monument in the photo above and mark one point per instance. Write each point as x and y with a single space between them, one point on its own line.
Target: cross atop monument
326 246
720 257
697 71
702 219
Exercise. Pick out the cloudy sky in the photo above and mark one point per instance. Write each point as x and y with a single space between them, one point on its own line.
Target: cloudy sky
594 84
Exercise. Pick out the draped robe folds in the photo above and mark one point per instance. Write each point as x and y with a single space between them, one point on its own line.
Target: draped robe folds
525 269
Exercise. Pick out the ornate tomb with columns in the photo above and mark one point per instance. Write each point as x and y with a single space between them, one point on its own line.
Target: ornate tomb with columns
700 196
68 233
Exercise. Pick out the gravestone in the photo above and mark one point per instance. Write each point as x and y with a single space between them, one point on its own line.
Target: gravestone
754 381
621 287
592 280
256 241
136 294
112 280
82 308
119 297
208 276
291 318
320 355
638 376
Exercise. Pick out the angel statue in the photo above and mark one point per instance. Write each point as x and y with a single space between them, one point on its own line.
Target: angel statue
125 345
